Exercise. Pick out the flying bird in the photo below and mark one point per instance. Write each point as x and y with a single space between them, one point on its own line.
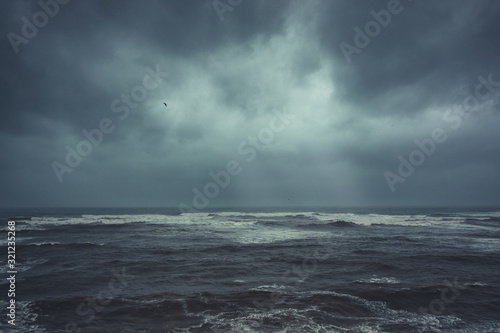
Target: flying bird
165 104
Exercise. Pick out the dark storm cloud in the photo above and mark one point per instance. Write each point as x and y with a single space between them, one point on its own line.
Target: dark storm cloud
426 50
226 81
55 69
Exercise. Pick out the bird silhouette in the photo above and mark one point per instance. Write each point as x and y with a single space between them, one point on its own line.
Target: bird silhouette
165 104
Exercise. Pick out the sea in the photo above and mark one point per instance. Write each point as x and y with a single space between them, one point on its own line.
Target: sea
252 270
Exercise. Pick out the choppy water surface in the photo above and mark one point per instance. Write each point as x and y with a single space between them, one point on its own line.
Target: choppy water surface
260 270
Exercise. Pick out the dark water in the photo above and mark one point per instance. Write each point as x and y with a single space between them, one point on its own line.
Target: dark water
267 270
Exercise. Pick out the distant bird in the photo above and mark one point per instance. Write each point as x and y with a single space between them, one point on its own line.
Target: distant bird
165 104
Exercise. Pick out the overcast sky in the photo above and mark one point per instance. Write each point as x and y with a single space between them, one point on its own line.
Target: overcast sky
319 103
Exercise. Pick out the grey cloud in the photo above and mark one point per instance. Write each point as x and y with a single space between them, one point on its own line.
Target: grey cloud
226 81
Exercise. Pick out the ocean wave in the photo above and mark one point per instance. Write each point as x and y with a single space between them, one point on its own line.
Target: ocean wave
341 223
84 244
45 243
298 218
320 311
26 317
86 219
476 284
24 265
239 223
270 287
379 280
258 310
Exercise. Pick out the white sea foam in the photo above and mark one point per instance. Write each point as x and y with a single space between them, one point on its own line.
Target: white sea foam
269 235
45 243
121 219
251 218
239 223
23 266
476 284
361 219
275 318
270 287
380 280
